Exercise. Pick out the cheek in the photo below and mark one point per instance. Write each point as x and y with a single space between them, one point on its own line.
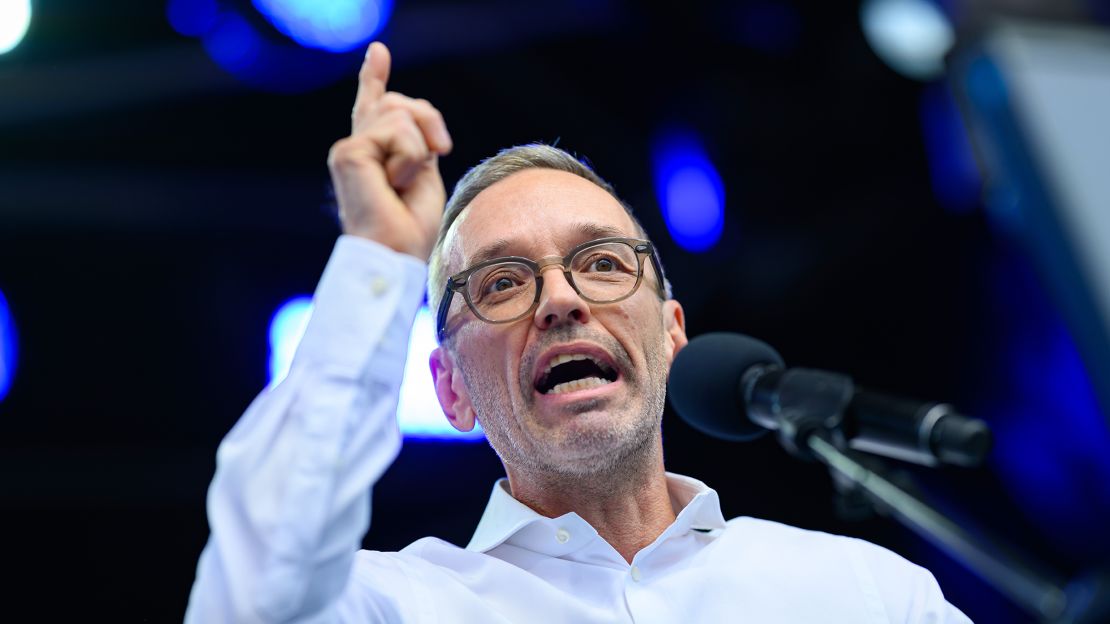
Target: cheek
492 355
637 328
647 316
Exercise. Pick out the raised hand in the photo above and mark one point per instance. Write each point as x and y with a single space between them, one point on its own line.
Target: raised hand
386 174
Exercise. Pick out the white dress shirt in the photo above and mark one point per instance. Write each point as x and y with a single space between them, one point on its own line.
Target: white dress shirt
290 503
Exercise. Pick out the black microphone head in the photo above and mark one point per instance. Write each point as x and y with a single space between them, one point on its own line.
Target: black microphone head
704 385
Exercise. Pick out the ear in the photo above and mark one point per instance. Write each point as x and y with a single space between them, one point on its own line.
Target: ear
451 391
674 326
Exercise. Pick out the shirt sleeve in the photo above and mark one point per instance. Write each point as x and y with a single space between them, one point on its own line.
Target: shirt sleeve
290 501
903 592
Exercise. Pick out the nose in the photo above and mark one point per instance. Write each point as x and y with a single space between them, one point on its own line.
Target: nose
559 302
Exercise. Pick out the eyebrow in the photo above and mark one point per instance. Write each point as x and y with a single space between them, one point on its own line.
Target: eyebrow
584 231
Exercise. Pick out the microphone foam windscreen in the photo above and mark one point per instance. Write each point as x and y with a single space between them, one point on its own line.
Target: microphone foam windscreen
704 384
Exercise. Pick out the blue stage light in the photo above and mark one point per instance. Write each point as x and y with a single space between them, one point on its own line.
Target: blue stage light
690 193
234 44
1052 444
332 25
286 328
418 410
193 18
237 46
15 19
7 348
271 63
953 171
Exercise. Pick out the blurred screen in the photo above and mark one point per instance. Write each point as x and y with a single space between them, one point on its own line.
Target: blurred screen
1039 104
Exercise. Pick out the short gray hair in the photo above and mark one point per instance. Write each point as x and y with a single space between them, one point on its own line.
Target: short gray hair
491 171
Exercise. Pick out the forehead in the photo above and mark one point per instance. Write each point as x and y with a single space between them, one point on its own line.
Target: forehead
536 212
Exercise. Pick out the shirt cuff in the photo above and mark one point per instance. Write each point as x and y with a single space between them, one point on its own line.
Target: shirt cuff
364 286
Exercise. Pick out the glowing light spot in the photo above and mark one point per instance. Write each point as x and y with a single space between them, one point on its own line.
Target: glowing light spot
193 18
952 168
418 410
332 25
270 63
234 44
286 329
7 348
911 36
15 19
690 192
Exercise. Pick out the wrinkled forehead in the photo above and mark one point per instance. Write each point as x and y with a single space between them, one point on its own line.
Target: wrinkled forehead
534 213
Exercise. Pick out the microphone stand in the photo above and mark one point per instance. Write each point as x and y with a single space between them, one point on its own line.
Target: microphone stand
1035 592
808 413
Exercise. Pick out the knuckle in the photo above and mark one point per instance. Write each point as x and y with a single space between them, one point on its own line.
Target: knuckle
417 139
341 153
426 107
428 111
392 100
402 121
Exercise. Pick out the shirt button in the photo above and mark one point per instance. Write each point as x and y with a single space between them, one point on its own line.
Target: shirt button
562 535
378 286
636 576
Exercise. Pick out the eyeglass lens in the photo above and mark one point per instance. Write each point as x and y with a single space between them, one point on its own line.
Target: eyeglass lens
600 273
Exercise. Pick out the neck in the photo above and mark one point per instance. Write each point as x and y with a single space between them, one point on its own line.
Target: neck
628 504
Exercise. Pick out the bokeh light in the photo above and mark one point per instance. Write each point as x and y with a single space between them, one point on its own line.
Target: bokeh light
15 19
193 18
957 182
332 25
7 347
689 190
418 410
286 329
314 48
911 36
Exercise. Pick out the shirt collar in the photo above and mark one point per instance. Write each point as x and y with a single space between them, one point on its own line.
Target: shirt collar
698 507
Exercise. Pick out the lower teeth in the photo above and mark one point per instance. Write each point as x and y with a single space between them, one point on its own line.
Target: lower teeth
578 384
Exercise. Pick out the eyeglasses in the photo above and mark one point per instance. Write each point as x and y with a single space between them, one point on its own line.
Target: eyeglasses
503 290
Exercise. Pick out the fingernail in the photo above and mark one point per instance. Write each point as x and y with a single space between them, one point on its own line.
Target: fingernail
368 49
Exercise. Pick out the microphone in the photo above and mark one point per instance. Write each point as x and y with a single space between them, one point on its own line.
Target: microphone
737 388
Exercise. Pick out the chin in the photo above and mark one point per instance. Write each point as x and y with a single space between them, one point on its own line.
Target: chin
592 444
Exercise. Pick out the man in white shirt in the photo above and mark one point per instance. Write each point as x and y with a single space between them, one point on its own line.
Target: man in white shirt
556 332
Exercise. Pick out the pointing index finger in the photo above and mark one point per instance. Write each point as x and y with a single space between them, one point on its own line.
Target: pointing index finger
372 78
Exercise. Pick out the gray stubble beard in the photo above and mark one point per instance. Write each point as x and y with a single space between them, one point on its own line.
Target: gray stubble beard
618 455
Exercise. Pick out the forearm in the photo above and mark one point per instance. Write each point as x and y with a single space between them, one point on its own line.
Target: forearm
290 500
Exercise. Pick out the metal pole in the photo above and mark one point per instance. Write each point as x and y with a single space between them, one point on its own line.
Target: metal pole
1030 590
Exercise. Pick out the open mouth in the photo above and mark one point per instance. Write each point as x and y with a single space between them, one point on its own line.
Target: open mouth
569 372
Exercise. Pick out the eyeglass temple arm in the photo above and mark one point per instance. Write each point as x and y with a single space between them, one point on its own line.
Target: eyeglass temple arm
661 280
444 305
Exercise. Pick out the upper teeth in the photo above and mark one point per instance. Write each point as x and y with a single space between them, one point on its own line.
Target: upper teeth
563 358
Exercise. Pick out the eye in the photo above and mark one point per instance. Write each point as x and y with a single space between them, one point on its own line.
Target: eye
602 262
603 265
503 282
500 284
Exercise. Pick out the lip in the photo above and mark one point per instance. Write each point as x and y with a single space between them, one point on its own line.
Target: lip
585 348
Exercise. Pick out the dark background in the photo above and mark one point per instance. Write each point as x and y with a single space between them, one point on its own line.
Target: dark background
155 210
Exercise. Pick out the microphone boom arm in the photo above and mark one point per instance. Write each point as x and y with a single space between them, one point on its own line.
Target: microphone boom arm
1032 591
